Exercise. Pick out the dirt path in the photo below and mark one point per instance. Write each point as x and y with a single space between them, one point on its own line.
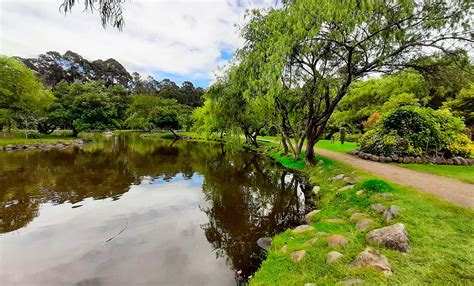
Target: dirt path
449 189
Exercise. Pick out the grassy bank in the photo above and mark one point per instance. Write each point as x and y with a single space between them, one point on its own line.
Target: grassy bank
441 235
21 140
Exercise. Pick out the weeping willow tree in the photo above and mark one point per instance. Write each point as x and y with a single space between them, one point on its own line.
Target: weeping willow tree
110 11
307 53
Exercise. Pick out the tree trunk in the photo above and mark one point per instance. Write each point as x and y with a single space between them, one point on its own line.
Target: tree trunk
285 146
74 132
175 135
310 151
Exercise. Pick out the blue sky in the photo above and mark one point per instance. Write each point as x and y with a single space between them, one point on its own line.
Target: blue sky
180 39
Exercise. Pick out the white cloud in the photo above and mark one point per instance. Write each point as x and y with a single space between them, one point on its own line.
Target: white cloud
180 38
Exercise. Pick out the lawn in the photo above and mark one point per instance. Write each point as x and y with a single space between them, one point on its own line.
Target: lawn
462 173
441 235
336 146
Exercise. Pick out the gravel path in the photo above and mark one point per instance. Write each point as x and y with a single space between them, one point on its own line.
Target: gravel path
446 188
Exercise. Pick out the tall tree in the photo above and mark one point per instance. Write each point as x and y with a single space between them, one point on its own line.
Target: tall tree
322 47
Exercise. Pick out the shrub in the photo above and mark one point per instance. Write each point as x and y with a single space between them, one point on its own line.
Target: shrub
415 132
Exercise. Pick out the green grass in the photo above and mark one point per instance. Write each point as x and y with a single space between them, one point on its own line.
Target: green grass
462 173
336 146
441 235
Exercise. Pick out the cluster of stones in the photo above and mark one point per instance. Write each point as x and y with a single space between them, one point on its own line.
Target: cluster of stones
60 144
393 237
414 160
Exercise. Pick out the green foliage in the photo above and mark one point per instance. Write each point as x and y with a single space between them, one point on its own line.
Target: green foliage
417 131
463 106
382 94
147 112
342 135
22 96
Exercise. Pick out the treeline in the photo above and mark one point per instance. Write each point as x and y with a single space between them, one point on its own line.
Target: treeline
309 68
68 92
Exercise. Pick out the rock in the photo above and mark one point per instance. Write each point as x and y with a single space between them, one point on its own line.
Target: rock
338 177
360 192
383 196
297 256
388 160
364 224
334 220
391 213
349 187
450 162
337 240
394 237
353 281
358 216
372 258
333 256
349 180
303 228
394 158
309 215
311 241
316 190
405 160
378 208
375 158
265 243
284 249
457 161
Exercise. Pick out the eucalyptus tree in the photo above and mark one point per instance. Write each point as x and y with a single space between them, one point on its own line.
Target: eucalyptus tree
319 48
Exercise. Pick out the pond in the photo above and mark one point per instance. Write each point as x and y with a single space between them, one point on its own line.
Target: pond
124 210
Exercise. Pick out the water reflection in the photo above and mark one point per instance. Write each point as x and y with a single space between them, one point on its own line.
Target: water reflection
182 203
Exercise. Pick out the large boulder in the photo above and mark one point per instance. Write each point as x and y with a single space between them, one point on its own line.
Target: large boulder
265 243
372 258
394 237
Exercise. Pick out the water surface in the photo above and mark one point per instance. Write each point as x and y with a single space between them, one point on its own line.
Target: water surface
130 211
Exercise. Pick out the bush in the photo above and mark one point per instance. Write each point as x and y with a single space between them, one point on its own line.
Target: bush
409 131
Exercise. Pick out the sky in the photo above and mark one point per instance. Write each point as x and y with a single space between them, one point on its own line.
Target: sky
176 39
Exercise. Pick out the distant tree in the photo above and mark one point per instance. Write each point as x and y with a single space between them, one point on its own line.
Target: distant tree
446 74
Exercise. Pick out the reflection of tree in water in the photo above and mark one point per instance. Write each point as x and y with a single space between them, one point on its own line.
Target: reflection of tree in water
103 169
248 197
254 200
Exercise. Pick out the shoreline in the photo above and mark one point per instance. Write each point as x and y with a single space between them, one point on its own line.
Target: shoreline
60 143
